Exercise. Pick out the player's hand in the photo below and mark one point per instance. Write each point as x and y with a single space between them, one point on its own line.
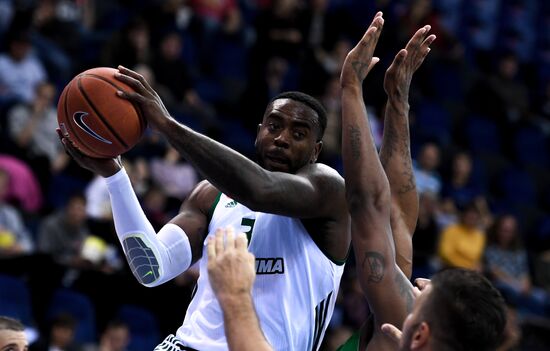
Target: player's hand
231 268
393 332
399 75
360 60
144 96
105 167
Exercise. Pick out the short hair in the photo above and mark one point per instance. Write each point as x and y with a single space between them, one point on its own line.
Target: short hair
464 311
7 323
310 102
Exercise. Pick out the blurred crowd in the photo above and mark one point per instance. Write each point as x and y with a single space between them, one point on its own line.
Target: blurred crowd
480 129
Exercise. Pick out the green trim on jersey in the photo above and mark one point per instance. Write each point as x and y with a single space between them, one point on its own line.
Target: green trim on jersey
213 207
352 344
333 260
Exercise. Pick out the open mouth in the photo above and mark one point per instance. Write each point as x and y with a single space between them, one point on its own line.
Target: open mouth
279 160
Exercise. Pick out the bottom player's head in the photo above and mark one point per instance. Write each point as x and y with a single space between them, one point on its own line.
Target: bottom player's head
291 131
12 335
459 310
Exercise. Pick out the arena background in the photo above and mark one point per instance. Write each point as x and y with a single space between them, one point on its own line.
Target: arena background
479 120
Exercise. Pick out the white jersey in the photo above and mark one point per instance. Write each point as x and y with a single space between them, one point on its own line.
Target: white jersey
294 292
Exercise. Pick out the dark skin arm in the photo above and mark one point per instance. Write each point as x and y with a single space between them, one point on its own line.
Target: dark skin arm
368 194
236 175
247 182
395 153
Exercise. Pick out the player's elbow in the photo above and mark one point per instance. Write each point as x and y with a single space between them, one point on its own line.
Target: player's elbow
362 201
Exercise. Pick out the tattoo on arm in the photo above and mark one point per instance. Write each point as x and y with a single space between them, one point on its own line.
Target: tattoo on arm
396 144
374 263
355 141
410 183
404 290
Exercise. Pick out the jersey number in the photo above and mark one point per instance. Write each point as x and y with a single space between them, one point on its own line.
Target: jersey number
248 223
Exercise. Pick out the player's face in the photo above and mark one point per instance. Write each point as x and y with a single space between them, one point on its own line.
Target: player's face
287 137
11 340
411 326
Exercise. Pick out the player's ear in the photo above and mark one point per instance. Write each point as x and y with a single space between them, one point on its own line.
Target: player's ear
420 336
316 151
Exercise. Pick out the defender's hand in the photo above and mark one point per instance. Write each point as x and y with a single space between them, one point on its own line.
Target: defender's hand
105 167
393 332
231 269
143 96
399 75
360 60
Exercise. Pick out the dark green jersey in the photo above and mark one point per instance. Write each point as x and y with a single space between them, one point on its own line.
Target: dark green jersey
352 344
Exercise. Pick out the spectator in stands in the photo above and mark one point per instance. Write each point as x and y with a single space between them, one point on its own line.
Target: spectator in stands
425 236
425 169
281 31
461 187
32 129
172 72
173 175
63 233
24 188
14 237
130 46
60 337
20 70
462 244
12 335
115 337
507 265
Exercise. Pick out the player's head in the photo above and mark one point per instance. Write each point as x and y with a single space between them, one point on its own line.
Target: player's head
460 310
12 335
291 131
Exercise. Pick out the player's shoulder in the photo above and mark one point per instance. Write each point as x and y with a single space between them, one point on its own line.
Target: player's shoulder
321 170
203 195
323 175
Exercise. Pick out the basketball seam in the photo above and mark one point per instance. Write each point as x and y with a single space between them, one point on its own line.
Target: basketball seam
83 91
138 110
69 125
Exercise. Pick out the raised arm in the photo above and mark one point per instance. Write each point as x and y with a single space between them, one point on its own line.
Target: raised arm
231 274
236 175
395 153
368 192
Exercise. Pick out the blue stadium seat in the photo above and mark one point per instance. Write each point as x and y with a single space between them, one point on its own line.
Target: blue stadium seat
482 136
143 325
15 300
531 147
518 188
433 122
80 307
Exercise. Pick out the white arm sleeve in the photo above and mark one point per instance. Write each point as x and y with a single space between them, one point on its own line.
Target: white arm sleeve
153 258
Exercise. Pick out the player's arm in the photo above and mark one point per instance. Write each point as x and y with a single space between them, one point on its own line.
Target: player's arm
236 175
231 274
368 192
154 258
395 153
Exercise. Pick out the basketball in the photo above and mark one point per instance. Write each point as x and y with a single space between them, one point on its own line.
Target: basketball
99 123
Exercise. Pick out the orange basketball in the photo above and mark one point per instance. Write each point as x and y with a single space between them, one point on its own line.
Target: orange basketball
100 123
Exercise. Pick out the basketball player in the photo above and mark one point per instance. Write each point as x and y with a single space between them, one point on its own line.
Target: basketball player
12 335
458 310
456 304
453 302
384 279
292 209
